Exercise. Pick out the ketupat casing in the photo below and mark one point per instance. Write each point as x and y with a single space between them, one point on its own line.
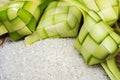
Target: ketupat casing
99 9
60 19
20 17
108 10
97 40
112 66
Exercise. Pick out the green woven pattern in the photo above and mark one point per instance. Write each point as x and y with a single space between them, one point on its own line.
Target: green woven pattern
60 19
97 41
105 9
20 17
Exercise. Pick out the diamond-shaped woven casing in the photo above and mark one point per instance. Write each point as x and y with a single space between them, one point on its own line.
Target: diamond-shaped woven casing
60 19
106 9
20 17
97 41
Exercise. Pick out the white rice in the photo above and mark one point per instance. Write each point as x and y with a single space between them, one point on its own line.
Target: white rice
50 59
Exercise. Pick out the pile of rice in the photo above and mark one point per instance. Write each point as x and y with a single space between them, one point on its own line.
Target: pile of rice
50 59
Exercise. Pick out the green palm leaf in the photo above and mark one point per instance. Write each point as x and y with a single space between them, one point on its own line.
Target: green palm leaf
20 17
97 40
60 19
